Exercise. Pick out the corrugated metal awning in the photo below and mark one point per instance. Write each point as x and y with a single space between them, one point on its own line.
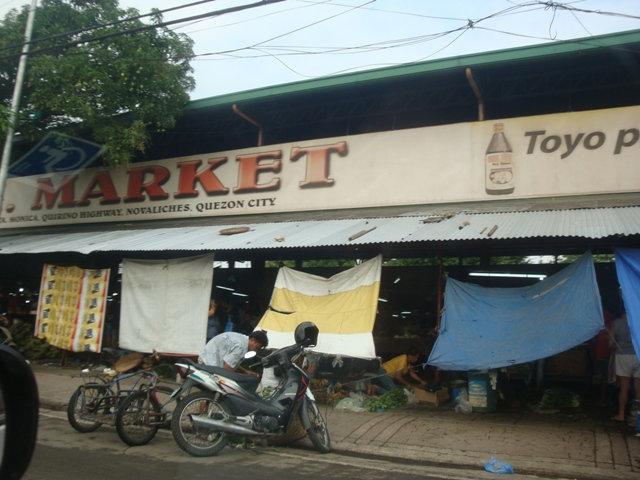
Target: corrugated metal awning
594 223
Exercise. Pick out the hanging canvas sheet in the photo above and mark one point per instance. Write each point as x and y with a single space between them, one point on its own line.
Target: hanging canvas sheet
628 269
486 328
343 307
164 304
71 307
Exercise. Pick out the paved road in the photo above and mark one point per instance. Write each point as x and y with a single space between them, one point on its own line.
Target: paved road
63 454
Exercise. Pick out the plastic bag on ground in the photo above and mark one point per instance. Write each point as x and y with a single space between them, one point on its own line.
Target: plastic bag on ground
496 466
462 402
411 397
355 402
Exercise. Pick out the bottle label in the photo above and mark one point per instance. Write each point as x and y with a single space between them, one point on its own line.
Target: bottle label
499 172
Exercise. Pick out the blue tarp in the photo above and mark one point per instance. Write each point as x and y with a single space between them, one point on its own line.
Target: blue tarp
628 268
486 328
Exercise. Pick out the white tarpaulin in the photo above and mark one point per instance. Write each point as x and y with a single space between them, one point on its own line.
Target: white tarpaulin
343 307
165 304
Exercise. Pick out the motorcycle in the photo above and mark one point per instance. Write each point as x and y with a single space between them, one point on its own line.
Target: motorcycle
226 403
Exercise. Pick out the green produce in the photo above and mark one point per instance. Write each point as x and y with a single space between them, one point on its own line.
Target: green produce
31 347
557 398
393 399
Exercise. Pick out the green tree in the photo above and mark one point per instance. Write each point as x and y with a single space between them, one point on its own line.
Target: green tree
4 120
115 90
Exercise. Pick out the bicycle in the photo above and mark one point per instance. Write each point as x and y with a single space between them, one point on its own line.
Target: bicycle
143 412
98 400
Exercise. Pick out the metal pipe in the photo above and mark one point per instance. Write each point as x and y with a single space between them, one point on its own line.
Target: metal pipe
252 121
476 91
211 424
15 102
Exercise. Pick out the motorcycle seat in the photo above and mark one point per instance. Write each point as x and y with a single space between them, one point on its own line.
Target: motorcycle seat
248 382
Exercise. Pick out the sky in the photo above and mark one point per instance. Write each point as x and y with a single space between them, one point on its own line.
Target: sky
296 40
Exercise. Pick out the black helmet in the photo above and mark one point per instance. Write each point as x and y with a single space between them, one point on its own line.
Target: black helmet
306 334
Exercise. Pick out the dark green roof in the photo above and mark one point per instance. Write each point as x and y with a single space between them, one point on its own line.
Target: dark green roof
498 56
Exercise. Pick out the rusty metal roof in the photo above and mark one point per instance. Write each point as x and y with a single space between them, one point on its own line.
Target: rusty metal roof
593 223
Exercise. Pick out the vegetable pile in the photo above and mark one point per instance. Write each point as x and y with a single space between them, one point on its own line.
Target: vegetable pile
558 398
393 399
31 347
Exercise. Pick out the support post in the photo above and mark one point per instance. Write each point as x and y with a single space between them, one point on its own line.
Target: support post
15 102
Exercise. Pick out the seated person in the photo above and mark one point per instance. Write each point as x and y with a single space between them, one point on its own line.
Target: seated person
397 369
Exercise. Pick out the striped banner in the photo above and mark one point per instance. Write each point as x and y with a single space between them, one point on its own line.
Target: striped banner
71 307
343 307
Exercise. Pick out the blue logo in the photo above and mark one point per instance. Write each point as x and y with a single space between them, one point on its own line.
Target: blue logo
57 153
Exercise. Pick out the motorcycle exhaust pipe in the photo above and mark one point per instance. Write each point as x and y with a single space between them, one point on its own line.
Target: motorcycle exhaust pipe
211 424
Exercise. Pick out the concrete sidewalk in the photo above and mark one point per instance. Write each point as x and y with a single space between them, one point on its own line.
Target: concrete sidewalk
532 444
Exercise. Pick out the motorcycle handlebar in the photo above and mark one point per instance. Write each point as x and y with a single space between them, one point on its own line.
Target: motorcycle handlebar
272 359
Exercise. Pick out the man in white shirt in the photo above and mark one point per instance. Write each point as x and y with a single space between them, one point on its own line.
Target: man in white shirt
227 350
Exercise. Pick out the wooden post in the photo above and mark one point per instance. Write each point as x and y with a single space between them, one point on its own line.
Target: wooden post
439 295
438 309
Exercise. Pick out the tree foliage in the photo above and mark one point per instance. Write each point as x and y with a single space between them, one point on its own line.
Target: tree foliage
115 90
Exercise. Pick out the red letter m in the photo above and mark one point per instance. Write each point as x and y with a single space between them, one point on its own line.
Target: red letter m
45 189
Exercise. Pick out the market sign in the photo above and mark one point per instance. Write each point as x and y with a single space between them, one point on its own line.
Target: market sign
529 157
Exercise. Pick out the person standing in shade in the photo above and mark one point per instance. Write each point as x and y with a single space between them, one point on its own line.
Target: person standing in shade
626 363
216 318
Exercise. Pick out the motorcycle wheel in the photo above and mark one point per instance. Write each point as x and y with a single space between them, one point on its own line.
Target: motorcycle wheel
86 400
317 432
196 441
134 417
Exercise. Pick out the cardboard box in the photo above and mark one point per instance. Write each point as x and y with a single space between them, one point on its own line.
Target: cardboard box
436 398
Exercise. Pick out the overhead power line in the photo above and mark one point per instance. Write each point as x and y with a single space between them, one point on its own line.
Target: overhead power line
385 10
106 25
378 45
152 26
568 7
258 17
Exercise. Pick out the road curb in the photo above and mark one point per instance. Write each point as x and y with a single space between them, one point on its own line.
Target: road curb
521 468
470 461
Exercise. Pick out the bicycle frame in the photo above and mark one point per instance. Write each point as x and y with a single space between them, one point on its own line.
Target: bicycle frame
112 394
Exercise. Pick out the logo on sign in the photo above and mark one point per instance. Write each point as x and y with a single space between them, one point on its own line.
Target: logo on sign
57 153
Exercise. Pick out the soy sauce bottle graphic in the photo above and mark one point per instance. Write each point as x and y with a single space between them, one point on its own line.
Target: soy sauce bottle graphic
498 165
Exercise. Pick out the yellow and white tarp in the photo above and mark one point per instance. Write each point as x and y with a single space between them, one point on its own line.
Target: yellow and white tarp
71 307
343 307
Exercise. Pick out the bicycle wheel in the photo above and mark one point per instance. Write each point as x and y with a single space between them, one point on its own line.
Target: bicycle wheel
84 405
161 396
196 441
134 419
317 432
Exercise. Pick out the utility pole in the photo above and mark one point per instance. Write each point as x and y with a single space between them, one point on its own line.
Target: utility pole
15 103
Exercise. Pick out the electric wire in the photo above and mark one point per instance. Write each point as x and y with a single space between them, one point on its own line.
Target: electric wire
144 28
109 24
247 20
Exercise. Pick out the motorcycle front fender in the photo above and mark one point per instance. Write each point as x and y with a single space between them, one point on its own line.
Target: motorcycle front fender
302 409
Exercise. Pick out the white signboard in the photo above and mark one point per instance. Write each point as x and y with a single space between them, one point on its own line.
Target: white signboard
549 155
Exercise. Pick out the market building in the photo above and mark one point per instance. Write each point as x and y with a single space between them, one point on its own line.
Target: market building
460 166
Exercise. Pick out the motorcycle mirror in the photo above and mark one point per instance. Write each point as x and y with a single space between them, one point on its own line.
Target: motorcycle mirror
250 354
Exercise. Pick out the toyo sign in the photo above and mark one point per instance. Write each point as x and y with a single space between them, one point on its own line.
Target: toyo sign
543 156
